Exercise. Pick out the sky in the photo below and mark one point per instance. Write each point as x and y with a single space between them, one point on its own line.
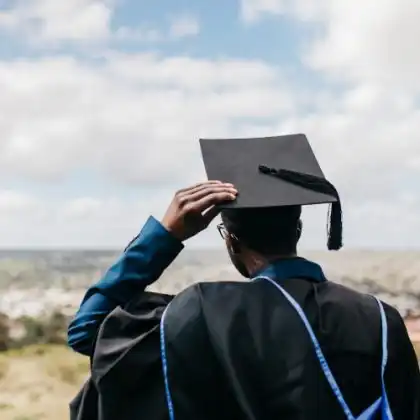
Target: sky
102 104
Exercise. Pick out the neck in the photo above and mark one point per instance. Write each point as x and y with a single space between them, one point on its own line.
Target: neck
254 262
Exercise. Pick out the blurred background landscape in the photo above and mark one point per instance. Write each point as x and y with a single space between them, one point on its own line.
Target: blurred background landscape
102 104
41 290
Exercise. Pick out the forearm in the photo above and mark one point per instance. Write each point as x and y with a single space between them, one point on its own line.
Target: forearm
140 265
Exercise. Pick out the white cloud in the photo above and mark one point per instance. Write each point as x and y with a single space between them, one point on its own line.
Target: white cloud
373 123
136 119
128 117
15 205
27 220
51 20
46 23
365 132
143 34
180 27
82 209
375 44
184 26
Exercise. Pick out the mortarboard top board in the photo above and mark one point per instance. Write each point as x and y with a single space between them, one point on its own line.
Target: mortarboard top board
272 172
237 161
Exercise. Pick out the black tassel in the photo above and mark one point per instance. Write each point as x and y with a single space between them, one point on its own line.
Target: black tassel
335 229
321 185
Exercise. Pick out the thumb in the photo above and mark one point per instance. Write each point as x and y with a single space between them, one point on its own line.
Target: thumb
210 215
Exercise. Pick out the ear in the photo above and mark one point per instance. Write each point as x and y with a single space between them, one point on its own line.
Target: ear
233 244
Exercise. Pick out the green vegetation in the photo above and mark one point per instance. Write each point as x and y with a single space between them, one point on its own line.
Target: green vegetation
4 332
25 331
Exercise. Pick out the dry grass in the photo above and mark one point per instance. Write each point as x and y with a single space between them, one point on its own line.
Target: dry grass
38 382
417 348
4 367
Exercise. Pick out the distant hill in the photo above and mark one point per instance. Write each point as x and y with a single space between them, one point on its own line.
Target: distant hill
395 276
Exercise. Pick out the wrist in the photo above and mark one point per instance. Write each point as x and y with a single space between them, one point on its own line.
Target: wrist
171 229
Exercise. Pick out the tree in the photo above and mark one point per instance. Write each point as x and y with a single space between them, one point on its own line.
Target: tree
4 332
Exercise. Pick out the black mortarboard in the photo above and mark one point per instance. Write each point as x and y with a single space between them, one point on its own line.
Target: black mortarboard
273 172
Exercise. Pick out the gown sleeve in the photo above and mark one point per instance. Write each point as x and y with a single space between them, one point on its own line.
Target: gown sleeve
142 263
402 376
126 372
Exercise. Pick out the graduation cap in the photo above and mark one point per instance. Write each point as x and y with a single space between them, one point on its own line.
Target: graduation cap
273 172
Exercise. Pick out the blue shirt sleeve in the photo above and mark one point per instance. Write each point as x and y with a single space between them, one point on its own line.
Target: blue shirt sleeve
142 263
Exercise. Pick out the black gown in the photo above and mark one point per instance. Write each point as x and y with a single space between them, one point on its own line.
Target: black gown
239 351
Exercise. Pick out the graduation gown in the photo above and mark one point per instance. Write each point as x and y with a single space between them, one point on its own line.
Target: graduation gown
240 351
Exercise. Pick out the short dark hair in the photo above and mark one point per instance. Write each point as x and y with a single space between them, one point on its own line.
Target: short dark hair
268 231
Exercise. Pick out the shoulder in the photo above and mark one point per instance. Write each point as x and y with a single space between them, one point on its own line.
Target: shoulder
197 295
212 289
351 298
363 308
398 338
348 299
198 302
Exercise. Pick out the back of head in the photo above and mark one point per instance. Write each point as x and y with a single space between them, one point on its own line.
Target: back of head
268 231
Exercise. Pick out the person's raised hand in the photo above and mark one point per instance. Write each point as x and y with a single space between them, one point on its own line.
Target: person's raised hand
192 209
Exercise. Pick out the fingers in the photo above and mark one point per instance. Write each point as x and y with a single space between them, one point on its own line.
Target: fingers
212 197
197 186
201 192
195 193
205 195
193 208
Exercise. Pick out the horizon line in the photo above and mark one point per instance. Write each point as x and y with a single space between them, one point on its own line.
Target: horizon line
204 249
